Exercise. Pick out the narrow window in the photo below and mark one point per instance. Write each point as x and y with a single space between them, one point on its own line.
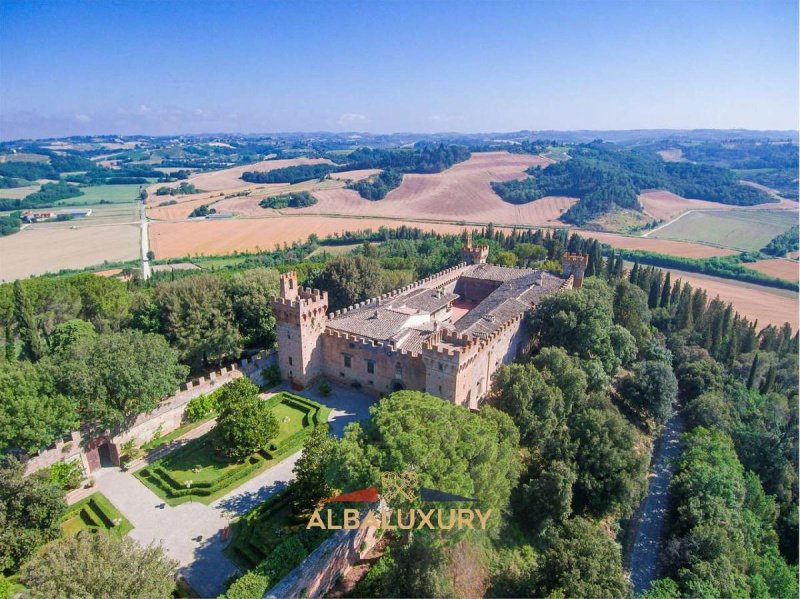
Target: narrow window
441 367
371 366
348 361
290 361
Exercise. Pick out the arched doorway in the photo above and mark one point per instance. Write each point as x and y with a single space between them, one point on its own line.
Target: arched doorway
398 386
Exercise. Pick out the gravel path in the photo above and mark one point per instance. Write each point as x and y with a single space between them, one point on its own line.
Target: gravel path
643 561
192 532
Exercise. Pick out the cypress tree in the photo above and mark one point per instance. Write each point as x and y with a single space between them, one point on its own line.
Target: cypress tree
665 291
655 292
26 325
10 347
769 382
618 267
634 277
733 348
683 315
751 378
675 295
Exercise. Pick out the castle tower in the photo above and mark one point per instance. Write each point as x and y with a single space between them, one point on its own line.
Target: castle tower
575 265
301 316
475 254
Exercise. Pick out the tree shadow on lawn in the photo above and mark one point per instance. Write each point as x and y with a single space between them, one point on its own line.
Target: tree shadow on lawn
239 504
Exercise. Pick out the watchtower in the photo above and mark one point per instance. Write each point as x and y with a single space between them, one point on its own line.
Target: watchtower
475 254
301 316
575 265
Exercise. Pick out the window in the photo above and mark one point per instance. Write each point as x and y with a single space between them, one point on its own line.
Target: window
288 335
440 389
371 366
352 346
290 360
348 361
441 367
398 370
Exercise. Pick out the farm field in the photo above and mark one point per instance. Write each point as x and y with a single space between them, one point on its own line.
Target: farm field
661 246
206 237
778 267
50 247
229 178
743 230
116 194
767 304
460 192
665 205
18 193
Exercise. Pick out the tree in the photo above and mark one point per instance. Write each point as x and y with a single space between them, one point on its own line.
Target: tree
245 423
117 376
611 462
198 319
32 413
581 561
310 485
350 279
665 291
30 512
99 565
69 333
651 388
751 377
506 259
451 448
251 585
580 321
32 346
251 294
631 310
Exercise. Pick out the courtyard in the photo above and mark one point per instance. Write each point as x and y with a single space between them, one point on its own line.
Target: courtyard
194 533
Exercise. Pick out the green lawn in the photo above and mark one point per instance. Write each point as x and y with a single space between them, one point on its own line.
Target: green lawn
116 194
95 513
178 432
743 230
196 472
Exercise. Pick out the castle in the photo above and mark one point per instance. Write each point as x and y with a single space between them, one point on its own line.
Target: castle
446 334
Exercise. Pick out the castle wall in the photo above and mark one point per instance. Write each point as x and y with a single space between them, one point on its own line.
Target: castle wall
336 346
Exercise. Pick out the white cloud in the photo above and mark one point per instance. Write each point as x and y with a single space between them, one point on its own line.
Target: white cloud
348 118
144 109
82 118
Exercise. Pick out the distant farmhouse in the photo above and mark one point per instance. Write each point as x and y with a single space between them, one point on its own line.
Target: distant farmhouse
38 216
446 334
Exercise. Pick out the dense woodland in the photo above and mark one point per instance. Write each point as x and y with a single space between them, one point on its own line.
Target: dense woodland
604 176
289 174
561 451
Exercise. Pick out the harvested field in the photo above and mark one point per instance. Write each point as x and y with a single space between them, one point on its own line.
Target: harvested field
39 249
205 237
460 192
665 205
357 175
778 267
662 246
18 193
229 178
743 230
768 305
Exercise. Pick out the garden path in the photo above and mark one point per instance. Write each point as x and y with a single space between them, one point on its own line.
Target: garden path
192 533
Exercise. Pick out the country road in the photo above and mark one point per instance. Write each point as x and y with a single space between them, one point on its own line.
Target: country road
643 559
145 243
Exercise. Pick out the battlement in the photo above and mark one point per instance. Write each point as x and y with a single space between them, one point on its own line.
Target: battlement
370 343
475 254
439 279
298 299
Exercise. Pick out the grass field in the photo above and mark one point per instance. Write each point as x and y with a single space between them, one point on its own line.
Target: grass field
116 194
743 230
95 513
19 193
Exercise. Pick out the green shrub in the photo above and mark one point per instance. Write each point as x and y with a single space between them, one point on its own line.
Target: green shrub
67 475
270 376
250 586
283 559
324 388
202 407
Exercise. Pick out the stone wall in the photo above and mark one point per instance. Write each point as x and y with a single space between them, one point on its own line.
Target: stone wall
165 418
315 576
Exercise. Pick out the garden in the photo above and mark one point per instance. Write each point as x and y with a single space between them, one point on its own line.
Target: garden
203 471
95 513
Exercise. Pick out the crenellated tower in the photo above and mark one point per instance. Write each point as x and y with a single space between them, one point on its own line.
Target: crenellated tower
575 265
475 254
301 316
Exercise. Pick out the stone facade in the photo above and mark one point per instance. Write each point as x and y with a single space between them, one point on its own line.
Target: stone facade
446 334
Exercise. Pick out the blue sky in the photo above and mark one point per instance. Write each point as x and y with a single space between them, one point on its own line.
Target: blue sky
159 67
